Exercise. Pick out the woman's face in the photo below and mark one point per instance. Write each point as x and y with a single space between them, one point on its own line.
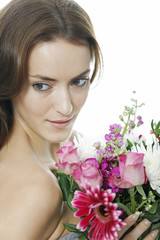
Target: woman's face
56 89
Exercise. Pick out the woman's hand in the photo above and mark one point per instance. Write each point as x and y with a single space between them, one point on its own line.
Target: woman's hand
138 230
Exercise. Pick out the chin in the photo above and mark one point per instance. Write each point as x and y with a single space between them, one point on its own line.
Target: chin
61 136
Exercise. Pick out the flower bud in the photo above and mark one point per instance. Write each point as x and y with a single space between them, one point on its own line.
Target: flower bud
131 124
121 118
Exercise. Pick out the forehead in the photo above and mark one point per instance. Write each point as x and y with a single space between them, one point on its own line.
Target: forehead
59 58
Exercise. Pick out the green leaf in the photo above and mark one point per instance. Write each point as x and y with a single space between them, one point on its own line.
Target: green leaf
152 125
73 185
144 144
141 191
157 132
156 193
153 145
158 208
129 143
156 226
157 129
154 208
64 185
124 207
152 217
82 237
71 227
70 197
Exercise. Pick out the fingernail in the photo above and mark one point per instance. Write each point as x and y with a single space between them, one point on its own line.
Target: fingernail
154 233
135 216
147 222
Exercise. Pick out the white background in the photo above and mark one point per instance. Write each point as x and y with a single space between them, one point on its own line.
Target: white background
128 32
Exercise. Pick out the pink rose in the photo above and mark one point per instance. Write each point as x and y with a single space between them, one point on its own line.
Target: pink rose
132 171
88 173
68 158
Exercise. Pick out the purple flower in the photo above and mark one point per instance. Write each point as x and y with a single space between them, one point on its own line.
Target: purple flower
107 170
139 118
116 171
97 145
105 165
131 124
115 128
100 152
119 138
107 153
140 122
116 139
108 137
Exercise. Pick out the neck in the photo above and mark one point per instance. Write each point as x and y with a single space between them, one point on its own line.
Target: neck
42 150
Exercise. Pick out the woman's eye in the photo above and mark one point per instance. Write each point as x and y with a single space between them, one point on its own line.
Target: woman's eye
41 86
80 82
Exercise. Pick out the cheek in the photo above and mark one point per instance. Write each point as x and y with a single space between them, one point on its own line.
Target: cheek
37 107
79 99
29 105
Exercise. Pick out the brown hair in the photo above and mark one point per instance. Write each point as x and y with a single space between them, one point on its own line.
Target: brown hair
24 23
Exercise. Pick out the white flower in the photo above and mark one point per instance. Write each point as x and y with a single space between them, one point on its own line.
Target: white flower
152 165
133 137
86 147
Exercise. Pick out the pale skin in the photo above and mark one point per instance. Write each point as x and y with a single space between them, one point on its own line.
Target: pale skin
44 113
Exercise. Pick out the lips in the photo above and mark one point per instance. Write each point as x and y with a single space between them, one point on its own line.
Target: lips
60 124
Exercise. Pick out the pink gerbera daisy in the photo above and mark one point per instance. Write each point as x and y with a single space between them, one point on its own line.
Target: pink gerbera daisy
98 212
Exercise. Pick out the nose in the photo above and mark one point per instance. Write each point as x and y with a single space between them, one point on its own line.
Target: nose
63 102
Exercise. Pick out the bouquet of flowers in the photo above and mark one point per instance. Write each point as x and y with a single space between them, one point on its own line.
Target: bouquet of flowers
105 180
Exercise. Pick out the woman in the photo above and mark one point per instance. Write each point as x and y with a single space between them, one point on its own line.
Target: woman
48 58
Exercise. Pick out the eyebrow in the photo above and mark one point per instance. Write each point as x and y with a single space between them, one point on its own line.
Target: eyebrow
46 78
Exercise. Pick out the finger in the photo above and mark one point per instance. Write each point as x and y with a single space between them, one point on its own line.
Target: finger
138 230
152 235
130 220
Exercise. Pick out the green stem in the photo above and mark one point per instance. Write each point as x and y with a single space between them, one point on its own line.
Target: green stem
126 126
100 160
133 205
126 209
135 111
118 199
112 145
141 205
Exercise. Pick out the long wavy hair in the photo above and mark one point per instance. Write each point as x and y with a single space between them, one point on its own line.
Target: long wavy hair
25 23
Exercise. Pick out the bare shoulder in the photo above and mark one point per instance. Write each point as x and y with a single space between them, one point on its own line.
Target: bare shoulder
31 208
